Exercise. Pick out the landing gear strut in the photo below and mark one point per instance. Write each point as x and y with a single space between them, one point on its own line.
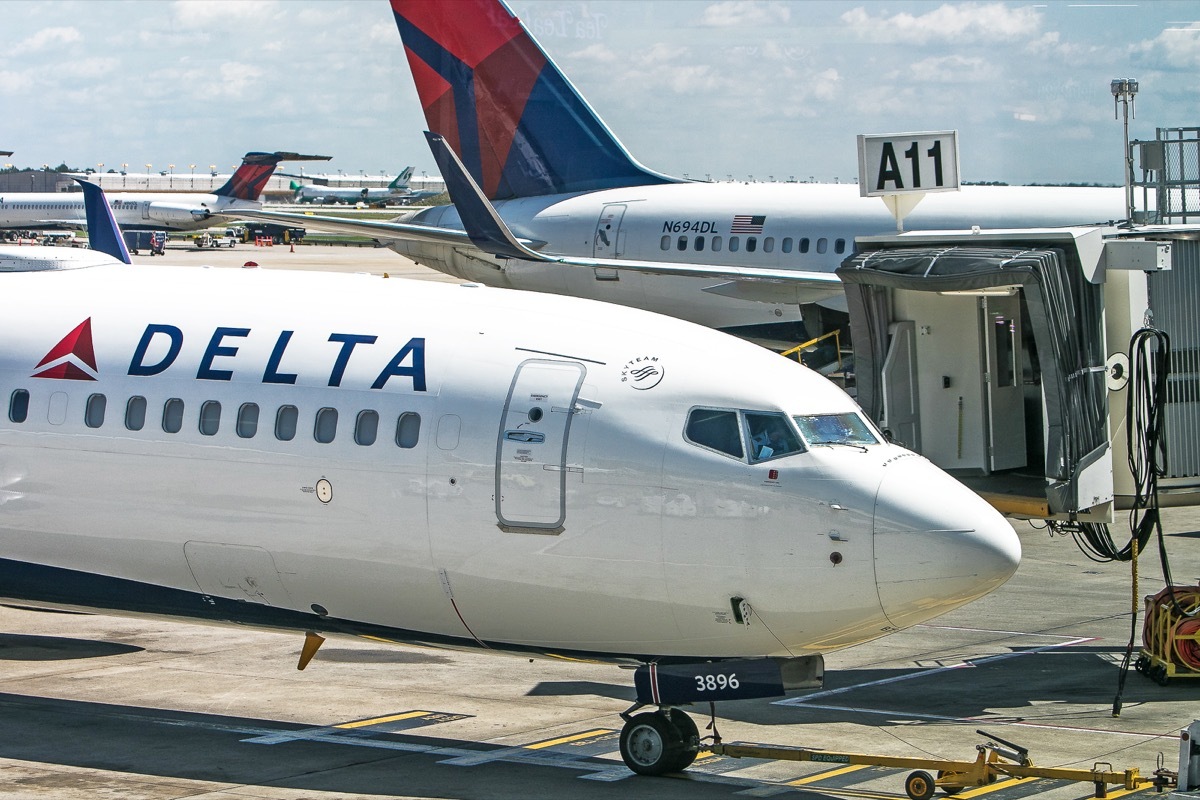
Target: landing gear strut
658 742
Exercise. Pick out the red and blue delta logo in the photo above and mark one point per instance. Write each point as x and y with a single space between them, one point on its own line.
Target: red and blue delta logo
72 359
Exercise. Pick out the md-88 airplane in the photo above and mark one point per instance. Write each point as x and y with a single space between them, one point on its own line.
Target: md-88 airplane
464 467
603 226
139 211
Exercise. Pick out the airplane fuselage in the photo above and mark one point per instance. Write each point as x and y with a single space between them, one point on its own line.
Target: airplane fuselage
455 466
806 227
133 211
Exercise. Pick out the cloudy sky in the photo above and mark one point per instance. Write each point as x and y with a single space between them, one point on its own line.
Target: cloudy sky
697 87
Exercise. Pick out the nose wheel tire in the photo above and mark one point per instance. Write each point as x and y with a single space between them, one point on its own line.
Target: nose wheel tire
653 744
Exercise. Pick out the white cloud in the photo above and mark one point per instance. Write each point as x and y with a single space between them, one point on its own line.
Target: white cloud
745 13
596 53
967 22
15 82
237 78
951 69
1176 48
217 13
44 38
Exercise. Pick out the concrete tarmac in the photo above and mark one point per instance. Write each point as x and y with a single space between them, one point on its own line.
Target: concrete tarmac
97 706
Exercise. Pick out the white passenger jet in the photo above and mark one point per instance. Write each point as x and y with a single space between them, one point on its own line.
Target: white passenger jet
319 191
459 466
564 184
175 211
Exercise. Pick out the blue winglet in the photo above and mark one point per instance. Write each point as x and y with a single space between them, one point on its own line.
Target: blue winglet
103 232
484 227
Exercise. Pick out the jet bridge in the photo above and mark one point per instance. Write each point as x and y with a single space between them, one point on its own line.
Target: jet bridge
1002 357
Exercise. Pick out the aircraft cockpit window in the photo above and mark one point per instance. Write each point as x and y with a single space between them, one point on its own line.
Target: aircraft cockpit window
210 417
247 420
285 423
830 429
135 413
172 421
770 436
715 429
408 430
93 411
18 405
366 428
326 427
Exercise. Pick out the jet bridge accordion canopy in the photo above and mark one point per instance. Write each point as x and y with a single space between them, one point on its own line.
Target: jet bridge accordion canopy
1066 314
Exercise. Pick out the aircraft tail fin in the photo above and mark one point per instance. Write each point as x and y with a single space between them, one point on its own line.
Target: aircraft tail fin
249 180
104 234
402 179
514 119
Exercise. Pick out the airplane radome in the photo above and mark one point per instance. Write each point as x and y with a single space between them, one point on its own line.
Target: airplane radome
460 466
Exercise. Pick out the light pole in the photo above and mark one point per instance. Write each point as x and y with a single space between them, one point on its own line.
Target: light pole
1123 91
171 178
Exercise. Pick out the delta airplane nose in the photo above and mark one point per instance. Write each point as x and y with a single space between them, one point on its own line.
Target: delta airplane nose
938 545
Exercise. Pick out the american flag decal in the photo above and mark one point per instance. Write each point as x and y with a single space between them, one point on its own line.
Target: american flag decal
747 223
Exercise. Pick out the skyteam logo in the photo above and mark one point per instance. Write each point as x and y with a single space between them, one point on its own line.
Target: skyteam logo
73 358
643 372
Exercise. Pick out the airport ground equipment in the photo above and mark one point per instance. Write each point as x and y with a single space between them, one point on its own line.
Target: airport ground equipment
154 242
228 238
996 759
1171 636
1189 758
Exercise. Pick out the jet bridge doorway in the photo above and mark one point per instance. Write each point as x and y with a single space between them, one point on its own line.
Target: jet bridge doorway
1010 345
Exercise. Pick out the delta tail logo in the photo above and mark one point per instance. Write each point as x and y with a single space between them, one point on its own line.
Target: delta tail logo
73 358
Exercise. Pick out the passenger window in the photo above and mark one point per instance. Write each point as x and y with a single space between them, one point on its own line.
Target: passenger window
366 428
786 244
839 246
770 436
822 244
18 405
682 244
699 244
804 245
135 413
408 430
769 244
247 420
285 423
210 417
93 412
751 244
716 244
326 427
733 244
172 421
665 244
710 427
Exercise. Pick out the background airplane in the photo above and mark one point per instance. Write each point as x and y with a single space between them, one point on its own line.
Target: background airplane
319 191
562 182
175 211
462 467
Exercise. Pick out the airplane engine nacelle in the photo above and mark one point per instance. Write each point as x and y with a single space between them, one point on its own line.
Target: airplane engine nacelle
176 214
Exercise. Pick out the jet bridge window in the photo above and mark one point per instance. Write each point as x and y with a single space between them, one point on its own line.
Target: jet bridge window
366 428
18 405
326 426
210 417
770 436
408 430
93 412
135 413
172 421
715 429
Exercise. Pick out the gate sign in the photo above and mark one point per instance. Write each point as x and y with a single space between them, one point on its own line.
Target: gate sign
904 163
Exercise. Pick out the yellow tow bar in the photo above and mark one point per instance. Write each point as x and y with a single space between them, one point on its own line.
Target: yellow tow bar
991 763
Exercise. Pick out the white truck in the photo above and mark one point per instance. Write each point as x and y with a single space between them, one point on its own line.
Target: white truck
228 238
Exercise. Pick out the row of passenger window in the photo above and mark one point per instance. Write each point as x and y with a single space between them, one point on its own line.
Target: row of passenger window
715 243
287 419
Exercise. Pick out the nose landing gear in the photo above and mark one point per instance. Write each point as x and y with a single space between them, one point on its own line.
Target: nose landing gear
658 742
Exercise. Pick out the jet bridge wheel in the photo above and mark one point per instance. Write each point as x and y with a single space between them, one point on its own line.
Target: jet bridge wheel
653 744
